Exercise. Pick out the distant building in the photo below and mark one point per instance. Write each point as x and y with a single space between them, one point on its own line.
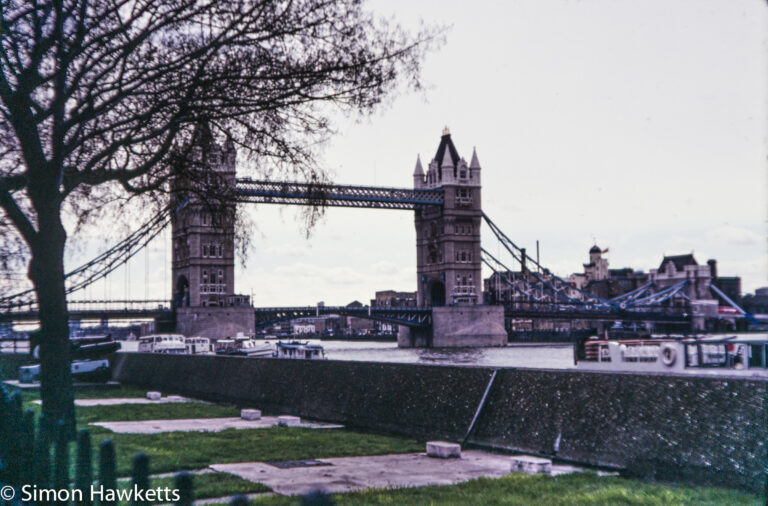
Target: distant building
387 299
355 325
757 303
299 328
391 298
597 268
677 268
509 286
603 282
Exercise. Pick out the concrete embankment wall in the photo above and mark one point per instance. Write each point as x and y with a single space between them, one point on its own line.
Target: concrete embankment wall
699 430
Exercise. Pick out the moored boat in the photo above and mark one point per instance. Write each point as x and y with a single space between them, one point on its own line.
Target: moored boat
163 343
82 370
740 355
299 350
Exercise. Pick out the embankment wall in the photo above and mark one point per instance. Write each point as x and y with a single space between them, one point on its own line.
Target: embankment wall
699 430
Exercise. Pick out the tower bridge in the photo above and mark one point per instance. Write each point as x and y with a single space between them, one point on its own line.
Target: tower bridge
446 202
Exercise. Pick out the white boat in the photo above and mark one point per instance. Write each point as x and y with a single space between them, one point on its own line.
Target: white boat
244 347
299 350
738 355
163 343
82 370
254 348
198 346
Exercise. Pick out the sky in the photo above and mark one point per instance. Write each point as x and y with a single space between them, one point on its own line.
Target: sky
640 126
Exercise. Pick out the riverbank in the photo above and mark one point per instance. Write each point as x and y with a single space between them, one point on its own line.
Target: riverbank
202 454
699 430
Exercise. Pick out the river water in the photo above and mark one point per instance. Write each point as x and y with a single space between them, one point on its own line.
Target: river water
549 356
537 356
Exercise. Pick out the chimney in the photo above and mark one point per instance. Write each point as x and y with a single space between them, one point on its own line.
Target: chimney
712 267
523 269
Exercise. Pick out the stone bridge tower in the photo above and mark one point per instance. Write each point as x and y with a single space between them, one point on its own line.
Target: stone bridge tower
448 238
448 261
203 255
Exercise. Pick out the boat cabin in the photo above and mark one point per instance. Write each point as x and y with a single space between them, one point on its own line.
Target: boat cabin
163 343
299 350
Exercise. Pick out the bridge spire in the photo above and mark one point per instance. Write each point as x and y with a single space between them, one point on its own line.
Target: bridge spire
418 174
475 163
418 170
447 159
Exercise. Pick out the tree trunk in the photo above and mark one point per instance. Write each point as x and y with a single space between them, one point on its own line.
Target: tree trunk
46 270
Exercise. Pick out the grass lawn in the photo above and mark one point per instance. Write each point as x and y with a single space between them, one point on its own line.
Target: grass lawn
136 412
179 451
576 488
174 451
28 396
133 412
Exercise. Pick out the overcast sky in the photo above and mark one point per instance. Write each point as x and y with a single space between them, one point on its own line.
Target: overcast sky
640 125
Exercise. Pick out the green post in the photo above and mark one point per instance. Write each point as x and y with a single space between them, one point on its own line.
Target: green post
107 469
185 489
42 456
83 469
140 477
13 446
61 458
5 439
27 447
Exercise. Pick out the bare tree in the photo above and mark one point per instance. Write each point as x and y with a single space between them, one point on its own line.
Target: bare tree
97 96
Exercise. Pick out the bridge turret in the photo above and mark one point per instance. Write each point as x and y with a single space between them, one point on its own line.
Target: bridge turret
474 167
203 231
418 174
448 238
447 167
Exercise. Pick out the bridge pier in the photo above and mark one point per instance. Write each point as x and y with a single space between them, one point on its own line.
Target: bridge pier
408 337
464 326
458 327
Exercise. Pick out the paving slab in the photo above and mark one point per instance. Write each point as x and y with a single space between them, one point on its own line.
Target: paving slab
202 425
347 474
129 400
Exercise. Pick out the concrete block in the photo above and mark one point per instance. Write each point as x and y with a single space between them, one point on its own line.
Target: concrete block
250 414
443 450
176 398
288 421
154 396
530 465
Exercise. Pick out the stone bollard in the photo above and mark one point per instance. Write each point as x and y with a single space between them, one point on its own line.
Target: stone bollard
288 421
530 465
443 450
250 414
154 396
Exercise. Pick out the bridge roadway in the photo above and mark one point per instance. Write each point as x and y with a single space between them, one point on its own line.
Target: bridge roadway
335 195
410 317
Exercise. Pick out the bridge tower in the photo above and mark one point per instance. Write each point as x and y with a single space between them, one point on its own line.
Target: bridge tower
203 232
448 262
448 238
